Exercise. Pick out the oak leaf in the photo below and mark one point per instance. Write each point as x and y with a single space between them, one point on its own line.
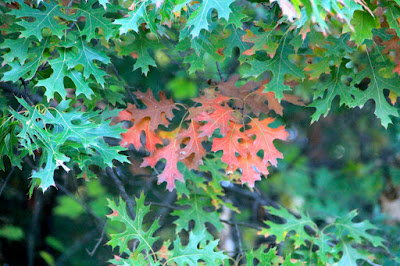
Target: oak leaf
208 101
134 133
193 146
219 119
252 169
170 154
265 136
157 111
230 145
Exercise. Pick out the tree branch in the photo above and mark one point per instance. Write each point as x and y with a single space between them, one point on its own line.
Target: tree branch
122 191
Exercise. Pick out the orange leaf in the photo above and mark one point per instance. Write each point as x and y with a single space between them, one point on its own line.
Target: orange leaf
170 154
252 169
265 136
193 146
230 145
219 118
156 110
133 136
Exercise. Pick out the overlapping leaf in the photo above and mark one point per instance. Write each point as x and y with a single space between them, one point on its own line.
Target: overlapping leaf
60 135
134 229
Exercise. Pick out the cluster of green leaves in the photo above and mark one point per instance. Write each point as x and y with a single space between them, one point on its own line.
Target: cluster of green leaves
342 241
199 246
339 242
59 134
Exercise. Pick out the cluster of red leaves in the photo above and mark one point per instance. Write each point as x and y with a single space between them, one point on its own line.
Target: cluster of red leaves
243 137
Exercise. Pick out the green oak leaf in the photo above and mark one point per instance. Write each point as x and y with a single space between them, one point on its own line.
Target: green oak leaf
62 135
52 159
198 20
55 83
194 251
236 17
95 19
357 231
86 56
329 90
350 255
134 228
279 66
49 18
138 16
337 47
262 40
362 25
8 142
140 46
268 258
376 87
18 49
392 14
234 39
292 224
196 213
28 69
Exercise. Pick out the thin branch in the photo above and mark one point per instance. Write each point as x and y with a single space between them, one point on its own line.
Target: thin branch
219 71
242 224
239 238
165 205
127 88
91 253
75 247
122 191
35 228
6 180
26 93
163 212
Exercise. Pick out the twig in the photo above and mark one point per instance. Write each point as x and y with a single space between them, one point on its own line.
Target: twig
35 228
163 212
17 92
242 224
91 253
166 205
75 247
122 191
127 88
26 91
6 180
239 242
219 71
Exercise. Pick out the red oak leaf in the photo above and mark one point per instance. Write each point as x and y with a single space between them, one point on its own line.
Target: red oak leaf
125 115
265 136
208 101
229 88
230 145
170 154
157 111
252 169
133 136
193 146
219 118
